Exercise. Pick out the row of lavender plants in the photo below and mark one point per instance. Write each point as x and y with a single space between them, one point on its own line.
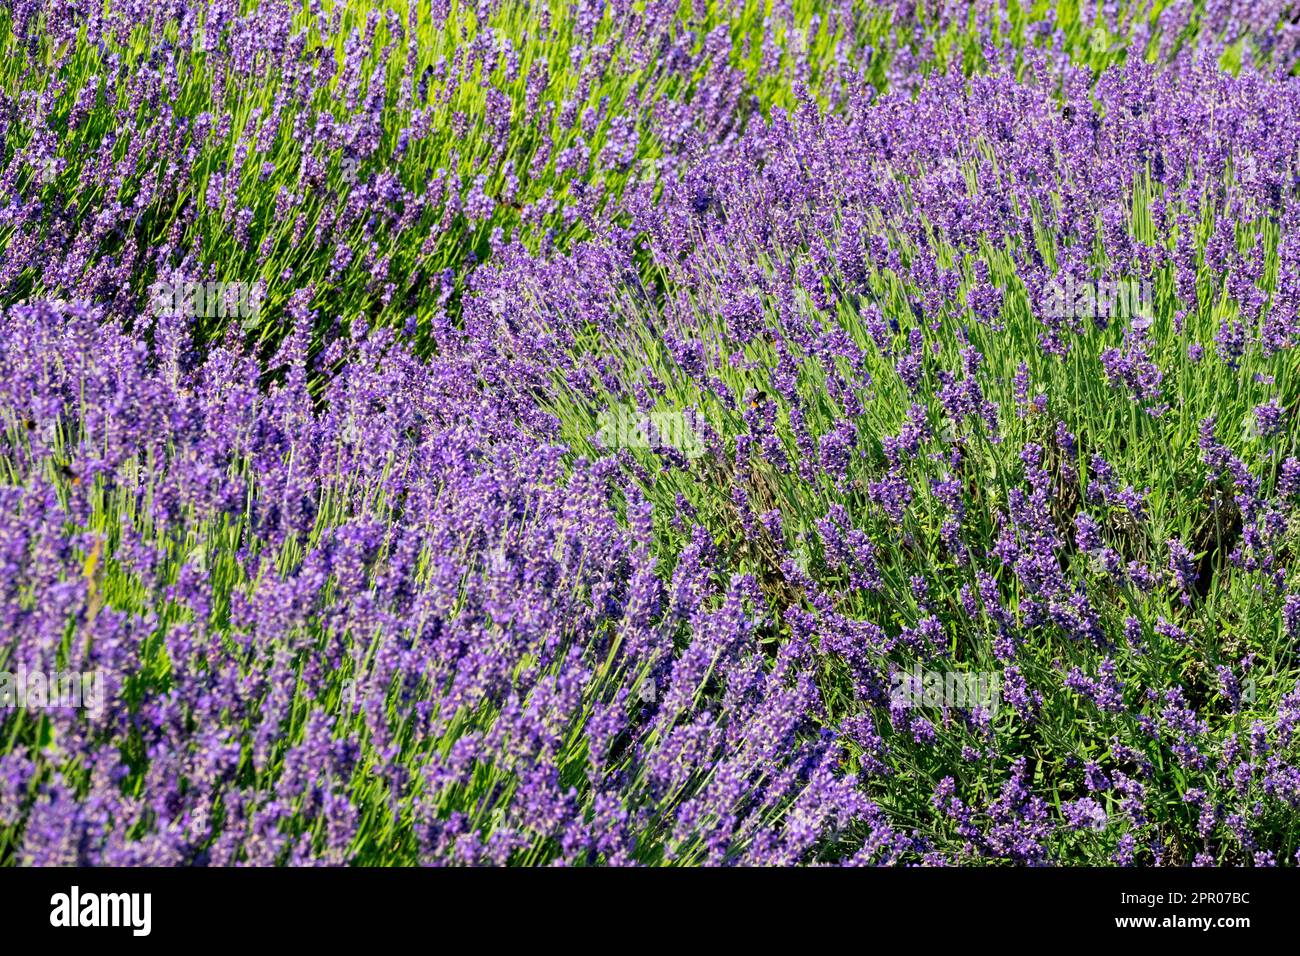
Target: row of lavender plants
650 433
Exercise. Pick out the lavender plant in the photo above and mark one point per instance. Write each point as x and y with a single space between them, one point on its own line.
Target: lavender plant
651 434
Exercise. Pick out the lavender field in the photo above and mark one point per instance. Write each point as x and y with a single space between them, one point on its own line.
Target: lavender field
650 432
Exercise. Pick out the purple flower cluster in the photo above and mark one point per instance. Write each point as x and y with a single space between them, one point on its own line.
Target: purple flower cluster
1125 568
425 615
954 568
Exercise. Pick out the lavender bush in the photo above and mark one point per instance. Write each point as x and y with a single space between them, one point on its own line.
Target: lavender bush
651 433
